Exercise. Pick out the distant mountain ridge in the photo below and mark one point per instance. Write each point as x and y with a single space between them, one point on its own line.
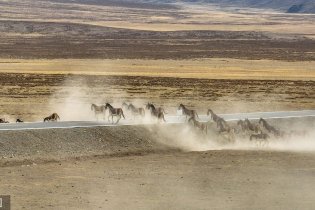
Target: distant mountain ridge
290 6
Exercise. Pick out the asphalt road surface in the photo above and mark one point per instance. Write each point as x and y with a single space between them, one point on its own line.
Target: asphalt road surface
169 119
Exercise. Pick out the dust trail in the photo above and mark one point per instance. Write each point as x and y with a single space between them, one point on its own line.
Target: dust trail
73 103
298 135
306 142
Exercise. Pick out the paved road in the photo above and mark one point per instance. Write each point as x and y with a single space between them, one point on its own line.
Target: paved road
169 118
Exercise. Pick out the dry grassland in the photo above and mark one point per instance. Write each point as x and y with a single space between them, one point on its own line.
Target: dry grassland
193 68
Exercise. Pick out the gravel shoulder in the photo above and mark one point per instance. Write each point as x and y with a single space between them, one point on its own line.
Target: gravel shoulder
42 146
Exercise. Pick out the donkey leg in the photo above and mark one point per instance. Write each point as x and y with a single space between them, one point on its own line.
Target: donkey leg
118 118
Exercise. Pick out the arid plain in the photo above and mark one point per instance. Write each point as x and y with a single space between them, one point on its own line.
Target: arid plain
61 56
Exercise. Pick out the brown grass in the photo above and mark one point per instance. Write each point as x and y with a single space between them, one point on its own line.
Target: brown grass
191 68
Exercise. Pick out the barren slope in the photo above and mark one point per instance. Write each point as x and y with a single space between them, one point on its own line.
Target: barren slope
60 40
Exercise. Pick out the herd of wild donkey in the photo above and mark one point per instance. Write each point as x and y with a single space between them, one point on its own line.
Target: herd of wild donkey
260 132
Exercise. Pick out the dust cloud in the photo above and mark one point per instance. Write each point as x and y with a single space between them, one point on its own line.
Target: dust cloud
189 138
296 134
73 103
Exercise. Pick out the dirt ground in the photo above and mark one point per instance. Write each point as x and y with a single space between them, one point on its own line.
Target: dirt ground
203 180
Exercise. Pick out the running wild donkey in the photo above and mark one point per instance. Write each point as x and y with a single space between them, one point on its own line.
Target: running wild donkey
117 112
158 113
98 110
136 111
188 112
52 117
200 125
